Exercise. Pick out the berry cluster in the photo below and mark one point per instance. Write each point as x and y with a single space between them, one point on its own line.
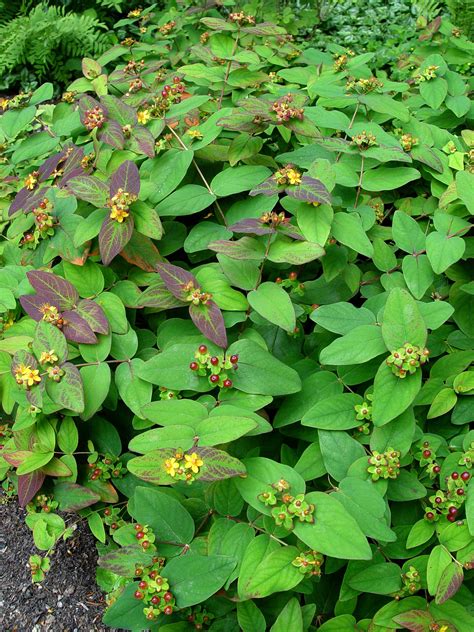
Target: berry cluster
384 465
26 376
153 590
128 42
427 456
68 96
285 111
166 393
183 467
286 507
363 86
213 367
194 294
120 205
426 75
309 563
364 140
364 414
340 61
6 321
167 28
112 518
467 457
241 18
94 118
52 315
31 180
292 283
169 95
199 617
287 175
408 141
41 502
134 67
407 359
105 467
378 206
145 536
43 225
447 503
135 85
411 584
273 219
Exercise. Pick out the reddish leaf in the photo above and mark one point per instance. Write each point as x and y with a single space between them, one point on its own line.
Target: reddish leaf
88 103
240 122
56 467
267 187
69 392
209 320
49 285
73 497
310 190
72 166
176 279
113 238
142 252
90 189
94 315
112 134
252 226
16 458
247 248
29 485
158 296
23 357
126 177
450 582
32 303
119 111
77 329
106 491
50 164
218 465
415 620
142 141
26 200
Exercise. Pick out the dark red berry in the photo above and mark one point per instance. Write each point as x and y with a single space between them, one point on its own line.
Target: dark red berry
146 544
455 476
140 535
107 512
138 527
438 499
426 454
155 599
164 93
142 584
292 276
278 280
430 515
194 366
202 349
153 574
168 610
167 88
465 476
460 492
116 473
159 581
114 526
167 596
453 511
436 469
214 361
91 465
452 517
138 594
227 383
138 572
234 359
97 472
214 378
176 79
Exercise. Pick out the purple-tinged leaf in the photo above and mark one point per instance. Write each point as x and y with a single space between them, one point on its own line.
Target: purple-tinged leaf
290 231
32 304
267 187
29 485
49 165
415 620
218 465
118 110
90 189
47 284
68 392
209 320
142 141
88 103
256 106
56 467
246 249
77 329
141 252
112 134
23 357
176 279
303 127
94 315
73 497
127 178
310 190
449 583
264 28
113 238
252 226
158 296
123 561
239 122
72 165
27 200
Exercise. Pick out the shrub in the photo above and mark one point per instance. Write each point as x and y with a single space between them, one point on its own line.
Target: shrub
237 332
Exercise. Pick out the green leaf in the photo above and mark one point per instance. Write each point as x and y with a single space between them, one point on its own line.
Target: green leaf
33 462
388 178
290 618
238 179
134 391
267 568
34 146
189 199
407 233
465 189
274 304
393 395
195 578
444 401
418 274
347 228
360 345
377 579
402 321
334 413
342 318
434 92
334 532
443 251
96 380
339 451
68 436
68 392
250 617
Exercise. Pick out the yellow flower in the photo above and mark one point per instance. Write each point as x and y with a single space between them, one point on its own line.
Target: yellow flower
48 357
194 133
31 180
294 177
26 376
171 465
143 116
193 461
118 214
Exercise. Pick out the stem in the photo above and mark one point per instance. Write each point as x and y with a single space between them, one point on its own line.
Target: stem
258 529
227 70
359 184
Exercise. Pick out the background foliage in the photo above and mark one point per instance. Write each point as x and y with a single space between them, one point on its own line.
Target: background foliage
237 332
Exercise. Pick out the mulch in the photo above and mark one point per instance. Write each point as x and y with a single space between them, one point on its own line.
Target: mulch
67 601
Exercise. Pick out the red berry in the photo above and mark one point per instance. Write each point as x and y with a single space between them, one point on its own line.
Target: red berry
214 361
155 599
142 584
153 574
465 476
168 610
436 469
278 280
107 512
292 276
140 535
455 476
176 79
146 544
460 492
138 527
430 515
167 88
453 511
202 349
452 517
138 594
167 596
234 359
194 366
214 378
227 383
438 500
91 465
159 581
314 306
97 472
426 454
164 93
114 526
